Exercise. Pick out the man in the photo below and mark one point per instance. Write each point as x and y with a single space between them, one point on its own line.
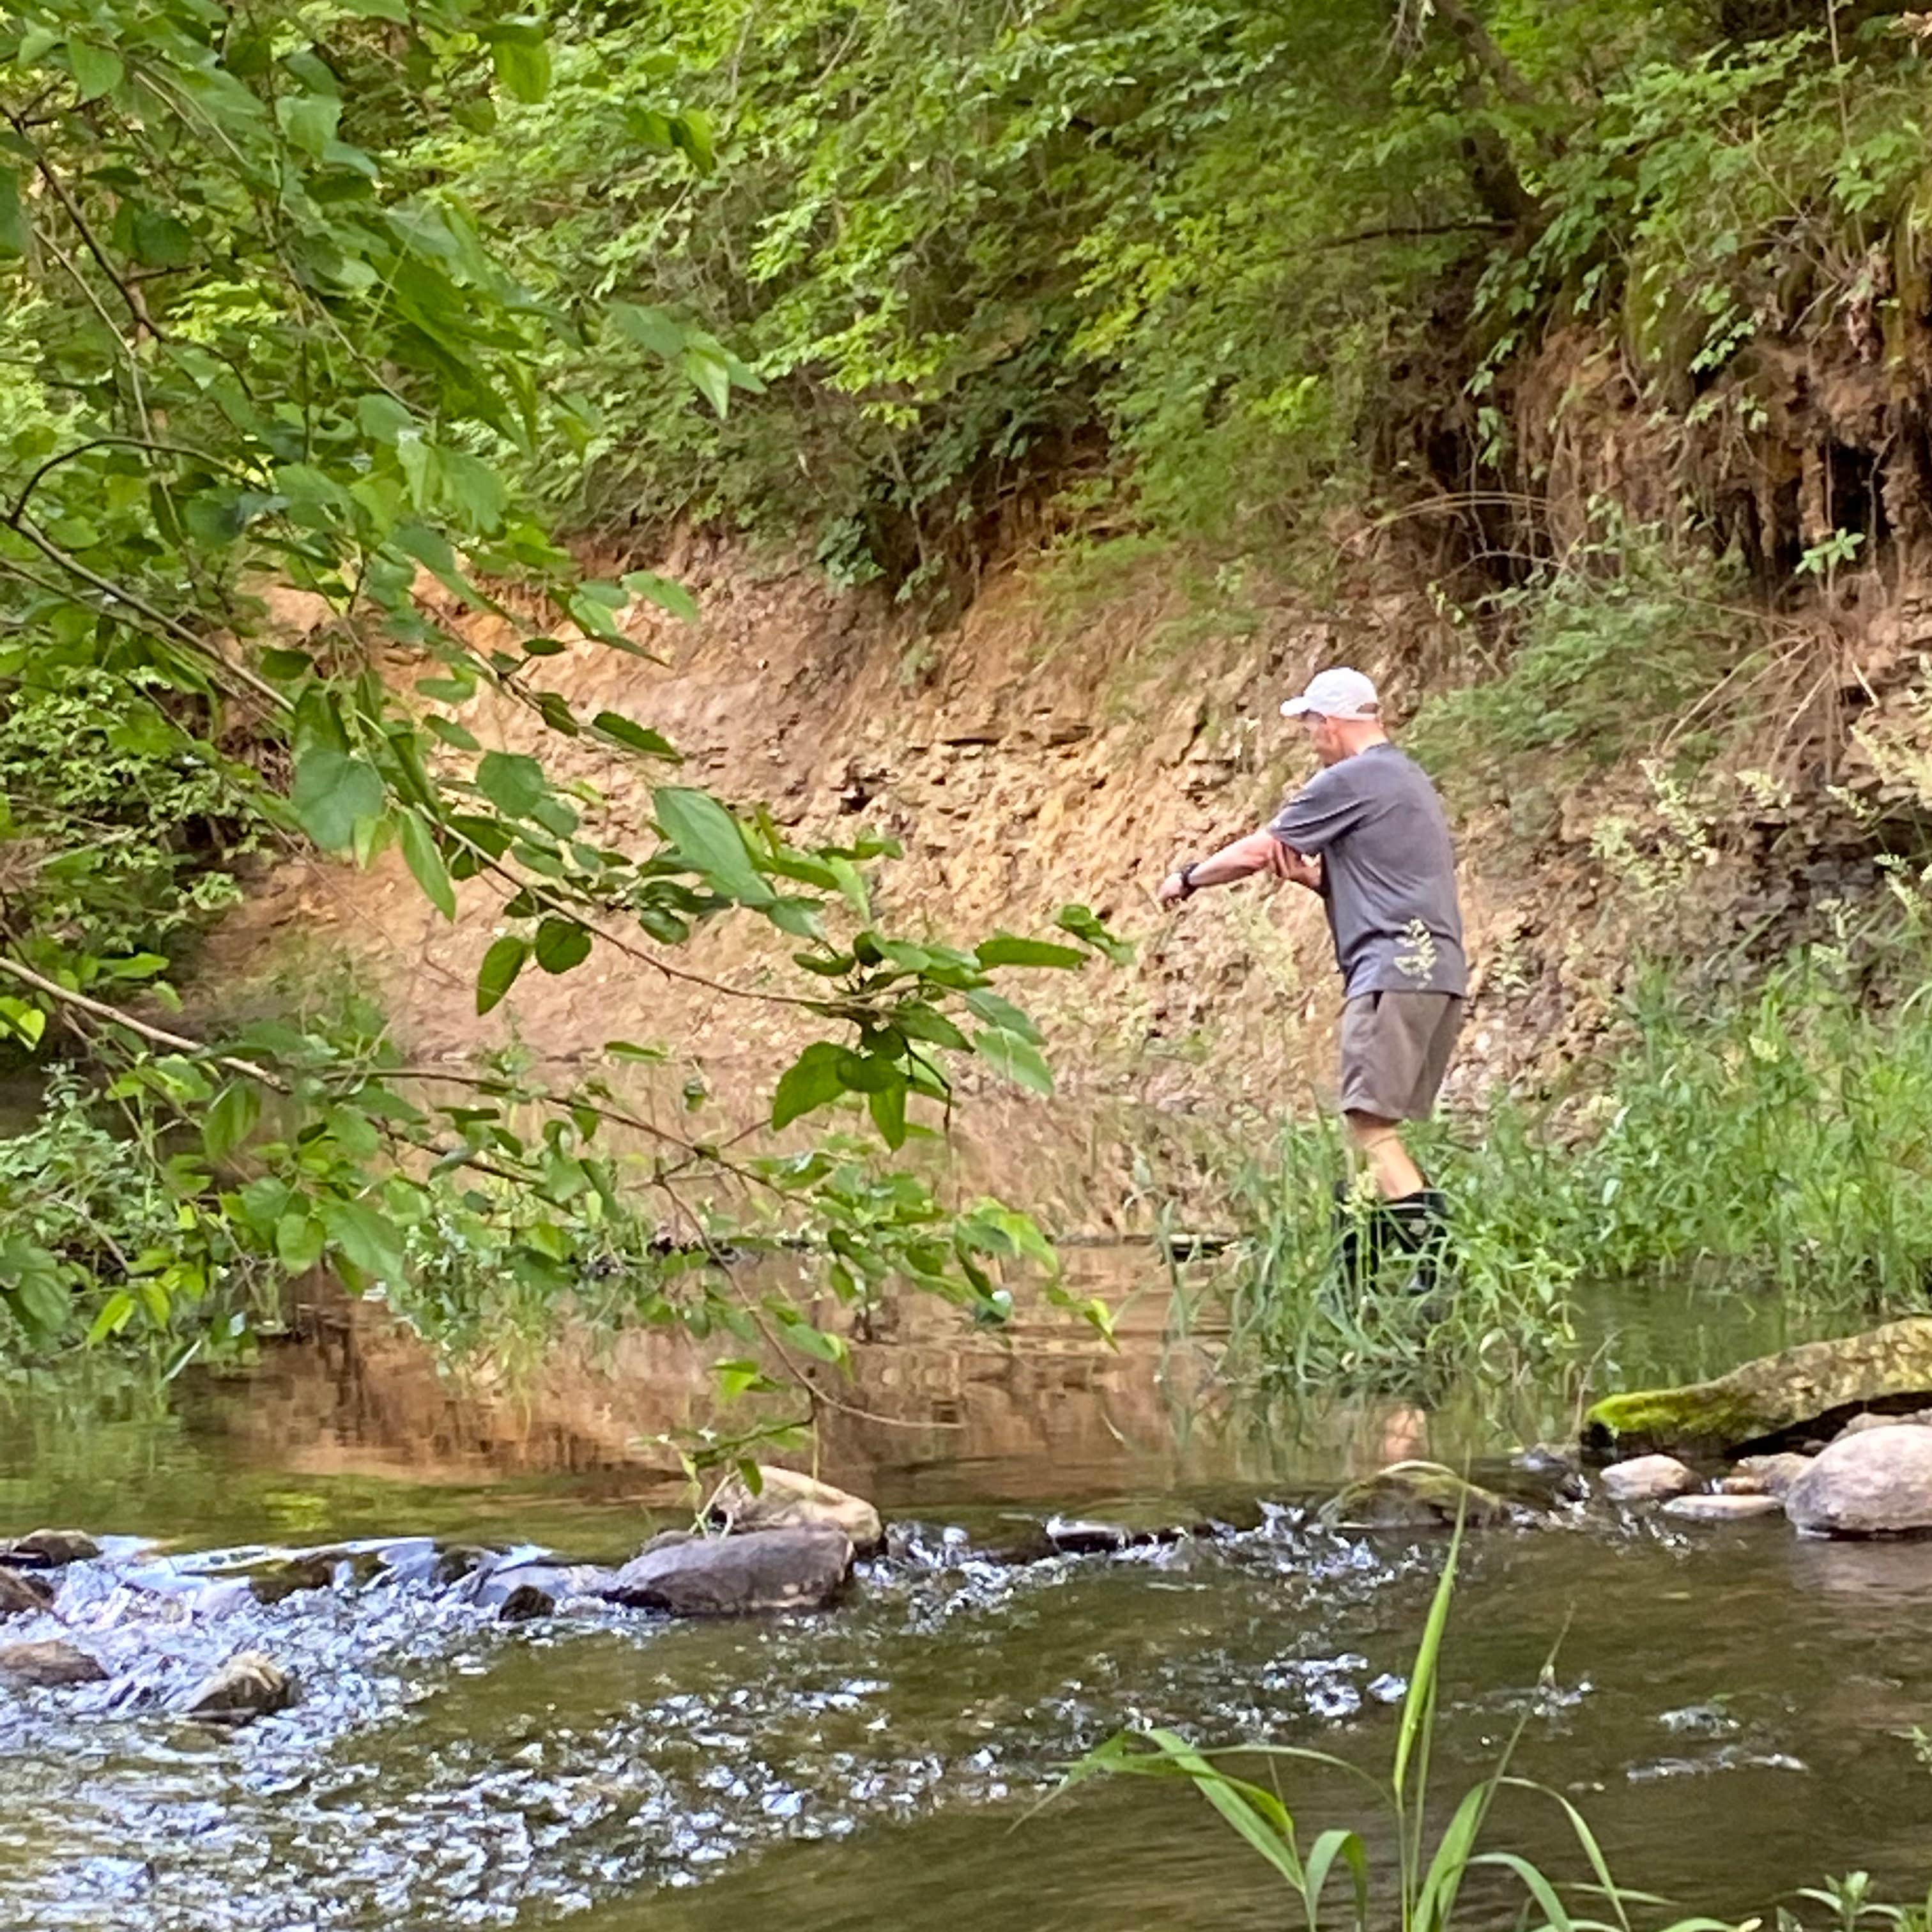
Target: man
1368 833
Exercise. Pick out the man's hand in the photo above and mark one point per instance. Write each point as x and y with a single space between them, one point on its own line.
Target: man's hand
1173 889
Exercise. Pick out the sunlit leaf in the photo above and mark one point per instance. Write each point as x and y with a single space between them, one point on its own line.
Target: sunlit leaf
498 973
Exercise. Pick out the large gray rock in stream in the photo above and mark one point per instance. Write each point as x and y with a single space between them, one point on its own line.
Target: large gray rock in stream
1774 1398
1720 1508
1877 1482
51 1548
48 1666
1647 1479
22 1595
786 1500
1769 1475
524 1585
250 1685
736 1575
1419 1495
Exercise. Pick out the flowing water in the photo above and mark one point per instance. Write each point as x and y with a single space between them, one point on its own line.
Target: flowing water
1730 1708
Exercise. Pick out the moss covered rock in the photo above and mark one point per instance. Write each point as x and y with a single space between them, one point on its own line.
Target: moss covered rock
1775 1396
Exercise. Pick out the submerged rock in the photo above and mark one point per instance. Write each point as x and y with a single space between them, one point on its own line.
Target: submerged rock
1773 1475
22 1595
1877 1482
1720 1508
530 1583
527 1602
50 1666
290 1576
249 1685
786 1500
1069 1536
1647 1479
1418 1495
51 1548
457 1561
1774 1397
735 1576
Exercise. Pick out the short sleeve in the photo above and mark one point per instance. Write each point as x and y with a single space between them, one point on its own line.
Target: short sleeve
1324 809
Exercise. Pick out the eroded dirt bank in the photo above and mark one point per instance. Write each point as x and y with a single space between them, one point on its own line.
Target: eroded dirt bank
1041 751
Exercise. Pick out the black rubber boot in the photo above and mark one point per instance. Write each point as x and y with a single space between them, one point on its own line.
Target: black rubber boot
1418 1225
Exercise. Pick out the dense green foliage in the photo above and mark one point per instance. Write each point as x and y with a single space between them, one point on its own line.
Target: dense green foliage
1213 268
251 338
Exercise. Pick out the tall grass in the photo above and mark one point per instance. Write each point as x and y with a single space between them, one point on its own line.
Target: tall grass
1776 1138
1330 1881
1429 1872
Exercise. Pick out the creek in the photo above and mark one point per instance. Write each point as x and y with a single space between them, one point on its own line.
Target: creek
1730 1707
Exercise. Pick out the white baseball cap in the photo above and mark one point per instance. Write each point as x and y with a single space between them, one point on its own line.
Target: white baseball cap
1339 693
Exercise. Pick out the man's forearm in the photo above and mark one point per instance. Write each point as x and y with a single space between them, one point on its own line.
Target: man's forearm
1259 852
1241 860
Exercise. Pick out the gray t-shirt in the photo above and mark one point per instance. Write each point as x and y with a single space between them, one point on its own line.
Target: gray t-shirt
1388 872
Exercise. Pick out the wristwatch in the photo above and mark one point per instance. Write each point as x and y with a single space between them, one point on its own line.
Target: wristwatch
1186 876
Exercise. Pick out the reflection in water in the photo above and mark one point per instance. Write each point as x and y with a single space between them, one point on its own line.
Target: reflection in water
934 1412
1727 1705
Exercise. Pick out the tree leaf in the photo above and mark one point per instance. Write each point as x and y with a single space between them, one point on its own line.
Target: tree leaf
498 974
812 1081
34 1281
22 1019
709 841
808 1340
115 1314
299 1240
663 592
637 737
888 1107
230 1120
451 733
97 70
425 863
1000 1013
514 783
334 794
1019 1059
309 120
711 375
918 1021
1006 949
629 1049
1084 924
370 1240
12 216
649 328
562 943
521 57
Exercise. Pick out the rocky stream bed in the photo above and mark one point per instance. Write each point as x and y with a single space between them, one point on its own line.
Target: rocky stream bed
843 1718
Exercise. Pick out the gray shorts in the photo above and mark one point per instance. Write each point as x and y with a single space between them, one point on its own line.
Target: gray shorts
1395 1051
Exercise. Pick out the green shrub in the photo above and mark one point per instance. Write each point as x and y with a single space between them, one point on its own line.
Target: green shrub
1774 1138
1627 641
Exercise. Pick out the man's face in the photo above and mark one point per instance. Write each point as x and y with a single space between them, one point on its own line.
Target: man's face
1325 735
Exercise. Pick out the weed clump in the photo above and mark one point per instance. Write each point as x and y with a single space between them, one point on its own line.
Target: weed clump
1776 1141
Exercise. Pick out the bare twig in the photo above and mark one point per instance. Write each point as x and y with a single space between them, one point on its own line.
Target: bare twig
156 1035
26 528
80 449
136 303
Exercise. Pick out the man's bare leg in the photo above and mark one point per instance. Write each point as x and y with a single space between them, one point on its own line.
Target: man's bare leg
1380 1144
